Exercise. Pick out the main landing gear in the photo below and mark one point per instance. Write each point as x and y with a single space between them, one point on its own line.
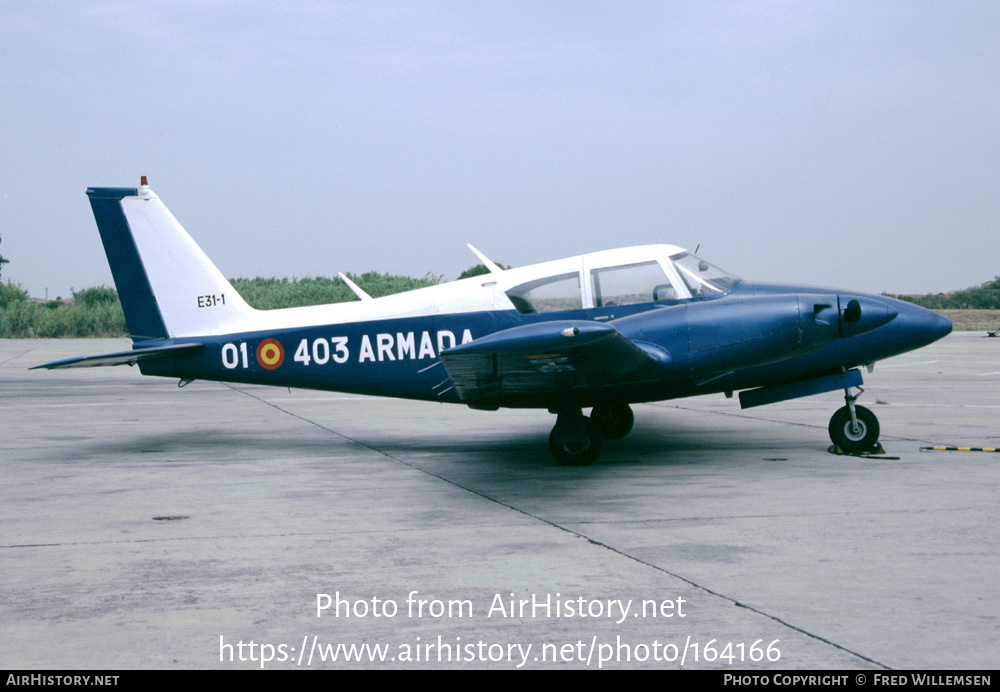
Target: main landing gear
576 440
614 420
854 428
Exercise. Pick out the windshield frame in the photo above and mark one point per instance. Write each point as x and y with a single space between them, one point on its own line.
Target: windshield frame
702 279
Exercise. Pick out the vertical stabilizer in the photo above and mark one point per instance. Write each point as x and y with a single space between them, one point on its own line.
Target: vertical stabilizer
167 285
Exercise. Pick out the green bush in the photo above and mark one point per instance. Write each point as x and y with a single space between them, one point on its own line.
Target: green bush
985 297
16 319
11 293
96 295
478 270
272 293
39 320
378 285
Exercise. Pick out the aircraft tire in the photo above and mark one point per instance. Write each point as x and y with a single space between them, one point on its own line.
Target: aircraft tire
614 420
848 440
577 455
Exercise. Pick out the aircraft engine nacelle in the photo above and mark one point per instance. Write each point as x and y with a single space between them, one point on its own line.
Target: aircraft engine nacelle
861 314
715 337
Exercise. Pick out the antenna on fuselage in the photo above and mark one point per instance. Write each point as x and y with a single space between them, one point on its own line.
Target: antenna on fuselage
354 287
487 262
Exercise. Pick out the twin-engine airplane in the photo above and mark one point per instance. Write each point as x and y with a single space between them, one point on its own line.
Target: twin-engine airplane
598 331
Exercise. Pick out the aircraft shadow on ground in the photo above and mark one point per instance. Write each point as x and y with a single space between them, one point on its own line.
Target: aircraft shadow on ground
519 449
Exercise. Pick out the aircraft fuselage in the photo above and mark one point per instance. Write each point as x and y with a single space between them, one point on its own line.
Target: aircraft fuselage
749 346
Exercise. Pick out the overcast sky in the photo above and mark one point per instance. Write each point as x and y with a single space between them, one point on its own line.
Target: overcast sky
851 144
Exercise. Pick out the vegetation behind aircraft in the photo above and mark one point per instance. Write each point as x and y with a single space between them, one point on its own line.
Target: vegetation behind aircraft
983 297
96 311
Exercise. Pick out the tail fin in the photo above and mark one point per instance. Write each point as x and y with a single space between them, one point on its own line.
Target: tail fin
167 285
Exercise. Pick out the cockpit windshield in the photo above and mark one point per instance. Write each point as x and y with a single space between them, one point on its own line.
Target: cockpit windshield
702 278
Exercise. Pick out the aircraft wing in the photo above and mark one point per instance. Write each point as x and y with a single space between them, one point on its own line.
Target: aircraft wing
544 359
122 358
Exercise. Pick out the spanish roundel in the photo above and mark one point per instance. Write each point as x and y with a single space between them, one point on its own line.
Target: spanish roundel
270 354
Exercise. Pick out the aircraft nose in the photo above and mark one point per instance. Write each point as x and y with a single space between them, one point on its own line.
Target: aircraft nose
937 325
920 326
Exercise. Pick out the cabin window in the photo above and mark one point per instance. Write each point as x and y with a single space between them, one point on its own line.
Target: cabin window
643 282
550 294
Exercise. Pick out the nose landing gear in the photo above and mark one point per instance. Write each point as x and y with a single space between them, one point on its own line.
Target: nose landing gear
854 428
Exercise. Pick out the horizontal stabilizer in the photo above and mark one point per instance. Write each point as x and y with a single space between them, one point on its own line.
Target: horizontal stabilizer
123 358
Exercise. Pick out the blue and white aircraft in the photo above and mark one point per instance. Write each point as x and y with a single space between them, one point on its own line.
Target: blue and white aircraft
598 331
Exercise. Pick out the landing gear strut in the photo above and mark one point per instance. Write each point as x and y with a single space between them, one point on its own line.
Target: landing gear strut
575 440
854 428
